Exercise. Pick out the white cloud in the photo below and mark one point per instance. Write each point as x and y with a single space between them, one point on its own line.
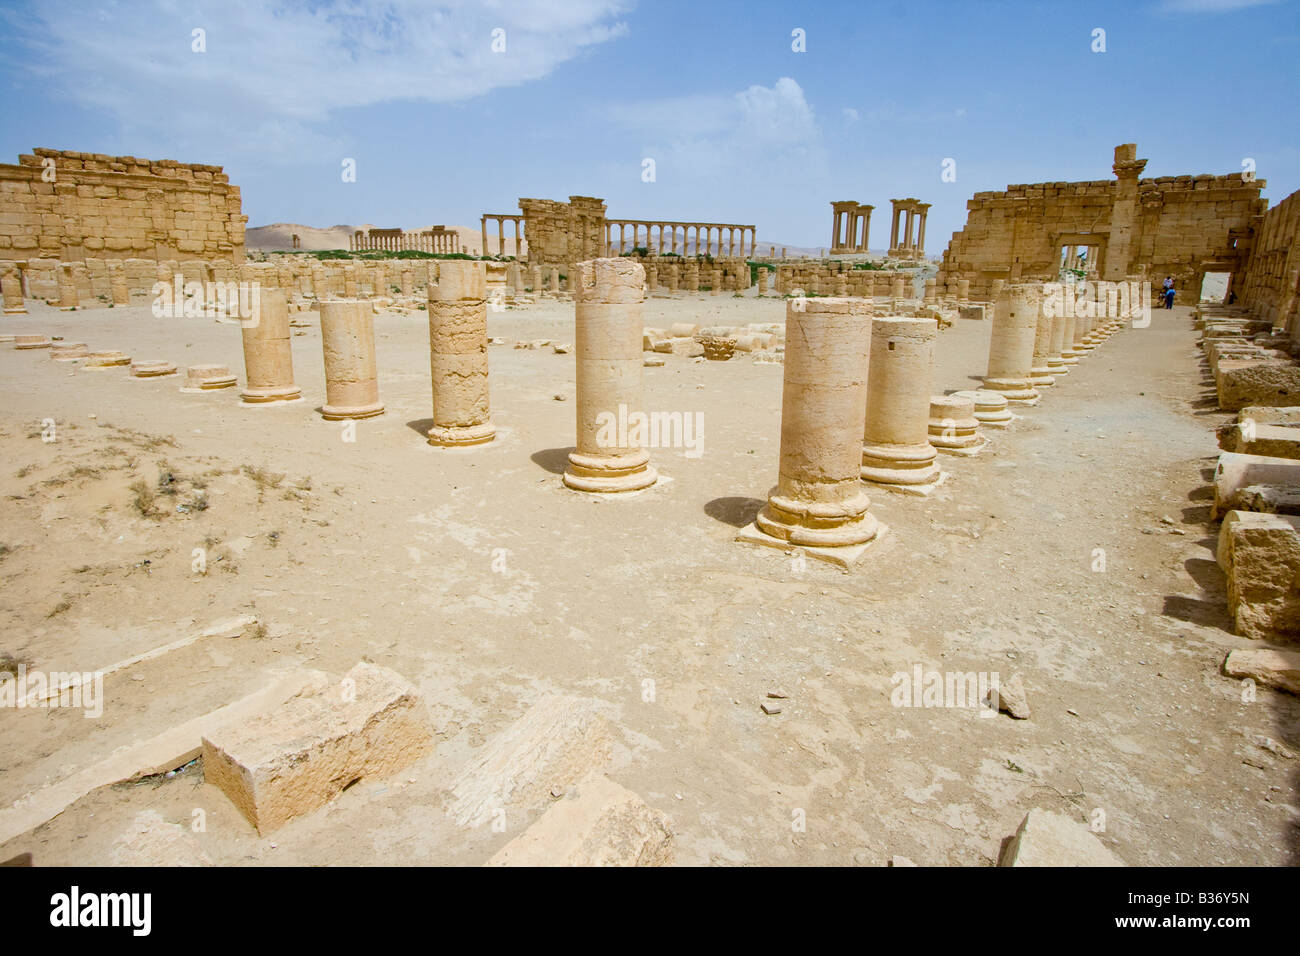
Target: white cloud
850 114
711 134
285 70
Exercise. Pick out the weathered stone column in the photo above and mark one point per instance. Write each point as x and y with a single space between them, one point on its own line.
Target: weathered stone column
896 448
990 407
118 291
608 327
1056 352
953 426
351 380
963 291
1011 345
11 286
896 288
268 358
458 355
68 299
1040 373
1069 355
762 280
819 500
931 290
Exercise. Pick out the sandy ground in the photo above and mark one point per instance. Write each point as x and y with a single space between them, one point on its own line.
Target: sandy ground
383 550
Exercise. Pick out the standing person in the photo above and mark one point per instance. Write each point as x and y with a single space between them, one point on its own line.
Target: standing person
1169 294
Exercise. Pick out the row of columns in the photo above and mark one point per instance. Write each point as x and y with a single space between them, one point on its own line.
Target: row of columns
438 239
1079 258
696 237
501 219
907 228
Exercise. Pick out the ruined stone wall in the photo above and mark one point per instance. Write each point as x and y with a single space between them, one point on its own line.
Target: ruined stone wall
823 279
1271 283
1181 225
73 206
300 276
563 232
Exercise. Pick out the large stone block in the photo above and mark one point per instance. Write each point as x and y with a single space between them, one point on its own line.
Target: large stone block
598 824
550 748
294 759
1265 382
1260 557
1271 666
1050 839
1249 437
1238 479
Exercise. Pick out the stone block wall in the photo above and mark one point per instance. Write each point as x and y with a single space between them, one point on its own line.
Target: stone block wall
1182 226
1271 284
73 206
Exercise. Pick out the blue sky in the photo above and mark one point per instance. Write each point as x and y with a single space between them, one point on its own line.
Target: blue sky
741 127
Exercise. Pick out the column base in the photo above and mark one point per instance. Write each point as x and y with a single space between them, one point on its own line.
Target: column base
271 393
16 310
900 465
1017 391
609 474
153 369
333 413
968 446
1058 367
1040 377
460 436
818 524
843 556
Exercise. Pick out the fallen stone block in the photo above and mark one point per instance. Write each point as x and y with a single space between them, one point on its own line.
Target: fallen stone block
1264 382
549 749
679 330
1237 472
1265 415
294 759
598 823
1051 839
1260 557
1249 437
172 748
976 312
1272 666
687 347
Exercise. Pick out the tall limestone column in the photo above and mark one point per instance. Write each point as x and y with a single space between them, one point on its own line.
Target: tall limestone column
11 285
1123 212
68 298
351 379
268 358
896 447
608 329
118 290
1011 345
458 354
819 501
1040 373
1056 352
